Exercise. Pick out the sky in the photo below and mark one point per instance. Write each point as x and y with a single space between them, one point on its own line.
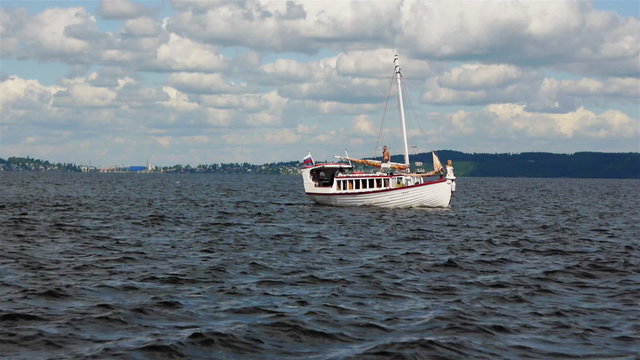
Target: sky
120 82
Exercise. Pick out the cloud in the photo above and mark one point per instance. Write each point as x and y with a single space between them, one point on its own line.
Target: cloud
479 76
581 122
247 103
142 27
288 70
260 110
84 95
477 84
19 96
134 95
362 125
204 83
183 54
355 91
121 9
482 84
282 136
274 137
325 84
522 33
10 23
58 32
231 24
519 33
462 122
615 87
178 100
285 26
503 127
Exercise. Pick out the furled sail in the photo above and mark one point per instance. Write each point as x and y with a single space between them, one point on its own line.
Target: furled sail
437 165
373 163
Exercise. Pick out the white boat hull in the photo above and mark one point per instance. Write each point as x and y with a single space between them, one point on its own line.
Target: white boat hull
424 195
435 194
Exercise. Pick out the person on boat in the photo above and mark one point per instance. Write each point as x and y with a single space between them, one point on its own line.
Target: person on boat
450 176
386 156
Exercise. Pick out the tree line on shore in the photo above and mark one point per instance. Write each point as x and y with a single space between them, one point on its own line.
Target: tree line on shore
540 164
29 164
530 164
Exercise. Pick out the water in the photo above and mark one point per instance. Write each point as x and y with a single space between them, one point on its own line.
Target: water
102 266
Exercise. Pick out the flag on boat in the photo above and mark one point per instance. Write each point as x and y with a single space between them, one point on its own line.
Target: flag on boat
308 159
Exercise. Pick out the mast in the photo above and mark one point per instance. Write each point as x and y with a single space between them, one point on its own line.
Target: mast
400 105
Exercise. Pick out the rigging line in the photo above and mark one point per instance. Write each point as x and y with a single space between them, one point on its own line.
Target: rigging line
384 115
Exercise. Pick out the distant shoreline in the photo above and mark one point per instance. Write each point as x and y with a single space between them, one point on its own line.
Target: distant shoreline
530 164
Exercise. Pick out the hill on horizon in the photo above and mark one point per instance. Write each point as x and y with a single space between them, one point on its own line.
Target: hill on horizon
538 164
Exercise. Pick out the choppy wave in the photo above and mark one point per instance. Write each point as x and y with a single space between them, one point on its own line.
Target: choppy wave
245 267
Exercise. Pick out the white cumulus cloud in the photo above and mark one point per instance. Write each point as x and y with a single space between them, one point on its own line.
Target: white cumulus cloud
49 32
121 9
203 83
183 54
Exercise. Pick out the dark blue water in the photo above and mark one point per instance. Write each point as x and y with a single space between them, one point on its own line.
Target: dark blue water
246 267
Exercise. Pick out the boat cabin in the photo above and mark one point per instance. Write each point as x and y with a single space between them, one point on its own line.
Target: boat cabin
340 178
323 175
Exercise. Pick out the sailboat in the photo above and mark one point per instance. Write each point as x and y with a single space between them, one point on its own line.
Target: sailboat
391 185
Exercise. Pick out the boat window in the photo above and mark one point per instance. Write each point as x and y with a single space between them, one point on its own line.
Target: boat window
350 184
371 183
386 182
339 184
364 183
378 183
357 183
